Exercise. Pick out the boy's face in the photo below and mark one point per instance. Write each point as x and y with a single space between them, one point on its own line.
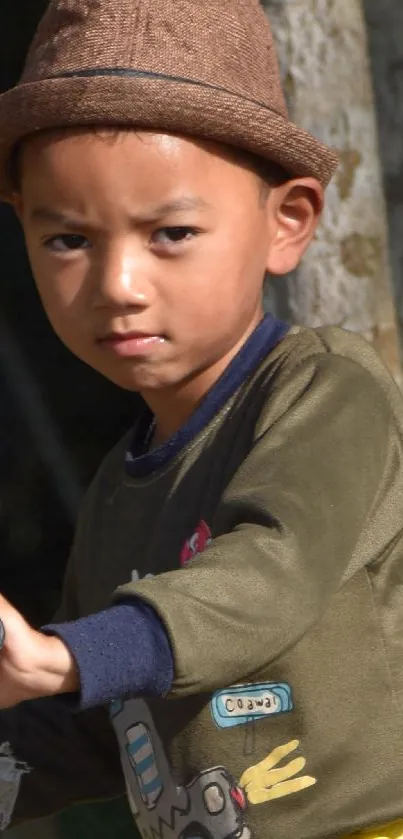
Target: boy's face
149 252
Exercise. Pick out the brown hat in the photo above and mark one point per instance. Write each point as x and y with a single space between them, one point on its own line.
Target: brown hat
205 68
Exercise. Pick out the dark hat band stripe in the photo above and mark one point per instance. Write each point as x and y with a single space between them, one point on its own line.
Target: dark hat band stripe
92 72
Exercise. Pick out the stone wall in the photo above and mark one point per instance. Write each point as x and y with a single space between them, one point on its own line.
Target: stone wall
344 278
385 33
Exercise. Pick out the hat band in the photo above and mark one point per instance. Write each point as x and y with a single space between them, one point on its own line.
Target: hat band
92 72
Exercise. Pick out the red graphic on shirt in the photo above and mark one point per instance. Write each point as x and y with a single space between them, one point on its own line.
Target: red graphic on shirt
198 543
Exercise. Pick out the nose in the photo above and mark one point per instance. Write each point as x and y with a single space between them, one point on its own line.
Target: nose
122 278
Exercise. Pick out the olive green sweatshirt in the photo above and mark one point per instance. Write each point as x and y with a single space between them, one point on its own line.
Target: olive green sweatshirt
270 545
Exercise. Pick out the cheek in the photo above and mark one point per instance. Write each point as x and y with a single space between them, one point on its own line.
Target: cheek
221 280
60 317
60 299
58 285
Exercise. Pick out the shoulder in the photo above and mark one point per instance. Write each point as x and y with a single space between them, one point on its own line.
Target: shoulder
326 344
323 366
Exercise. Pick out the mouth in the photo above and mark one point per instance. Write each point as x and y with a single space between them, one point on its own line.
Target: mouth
130 344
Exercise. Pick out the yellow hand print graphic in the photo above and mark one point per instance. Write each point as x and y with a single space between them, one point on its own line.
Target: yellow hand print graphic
267 780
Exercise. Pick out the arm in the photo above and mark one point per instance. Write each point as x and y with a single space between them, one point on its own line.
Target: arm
314 501
302 514
54 757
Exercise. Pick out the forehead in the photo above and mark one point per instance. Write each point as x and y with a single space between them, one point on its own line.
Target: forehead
148 156
109 177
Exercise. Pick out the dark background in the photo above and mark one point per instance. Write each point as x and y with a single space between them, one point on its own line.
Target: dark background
57 417
57 420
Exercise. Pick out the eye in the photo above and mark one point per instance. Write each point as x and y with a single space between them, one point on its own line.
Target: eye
67 242
173 235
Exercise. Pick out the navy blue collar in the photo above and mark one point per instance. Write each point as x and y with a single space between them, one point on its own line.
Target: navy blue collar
266 336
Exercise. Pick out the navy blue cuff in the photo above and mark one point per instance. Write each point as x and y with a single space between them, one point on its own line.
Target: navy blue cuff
122 651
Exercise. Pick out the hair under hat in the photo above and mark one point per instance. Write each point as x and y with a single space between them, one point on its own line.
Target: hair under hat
203 68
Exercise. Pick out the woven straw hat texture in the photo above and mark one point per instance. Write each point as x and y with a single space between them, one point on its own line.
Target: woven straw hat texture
204 68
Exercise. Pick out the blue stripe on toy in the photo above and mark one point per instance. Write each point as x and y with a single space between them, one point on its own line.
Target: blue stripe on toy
152 786
145 764
138 744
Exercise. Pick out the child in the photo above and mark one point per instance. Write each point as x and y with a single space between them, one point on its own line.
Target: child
232 608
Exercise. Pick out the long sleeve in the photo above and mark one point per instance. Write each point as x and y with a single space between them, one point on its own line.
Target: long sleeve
301 515
121 651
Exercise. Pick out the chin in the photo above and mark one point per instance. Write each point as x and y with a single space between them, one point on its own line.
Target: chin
139 381
140 376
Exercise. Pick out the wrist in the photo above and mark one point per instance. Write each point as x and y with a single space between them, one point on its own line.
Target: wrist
54 668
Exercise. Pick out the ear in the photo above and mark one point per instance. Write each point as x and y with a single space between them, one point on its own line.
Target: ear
294 209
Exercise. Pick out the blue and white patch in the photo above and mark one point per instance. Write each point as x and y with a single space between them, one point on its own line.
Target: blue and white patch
242 704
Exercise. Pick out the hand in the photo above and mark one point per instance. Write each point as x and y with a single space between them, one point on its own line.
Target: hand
32 664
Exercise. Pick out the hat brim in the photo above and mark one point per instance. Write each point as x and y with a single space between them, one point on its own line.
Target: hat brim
154 103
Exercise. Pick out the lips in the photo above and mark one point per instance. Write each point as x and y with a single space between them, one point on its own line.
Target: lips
131 344
117 337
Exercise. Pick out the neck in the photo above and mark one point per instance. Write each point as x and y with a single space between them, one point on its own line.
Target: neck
172 407
173 411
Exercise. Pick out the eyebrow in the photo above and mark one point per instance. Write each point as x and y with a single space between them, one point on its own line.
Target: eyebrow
177 205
